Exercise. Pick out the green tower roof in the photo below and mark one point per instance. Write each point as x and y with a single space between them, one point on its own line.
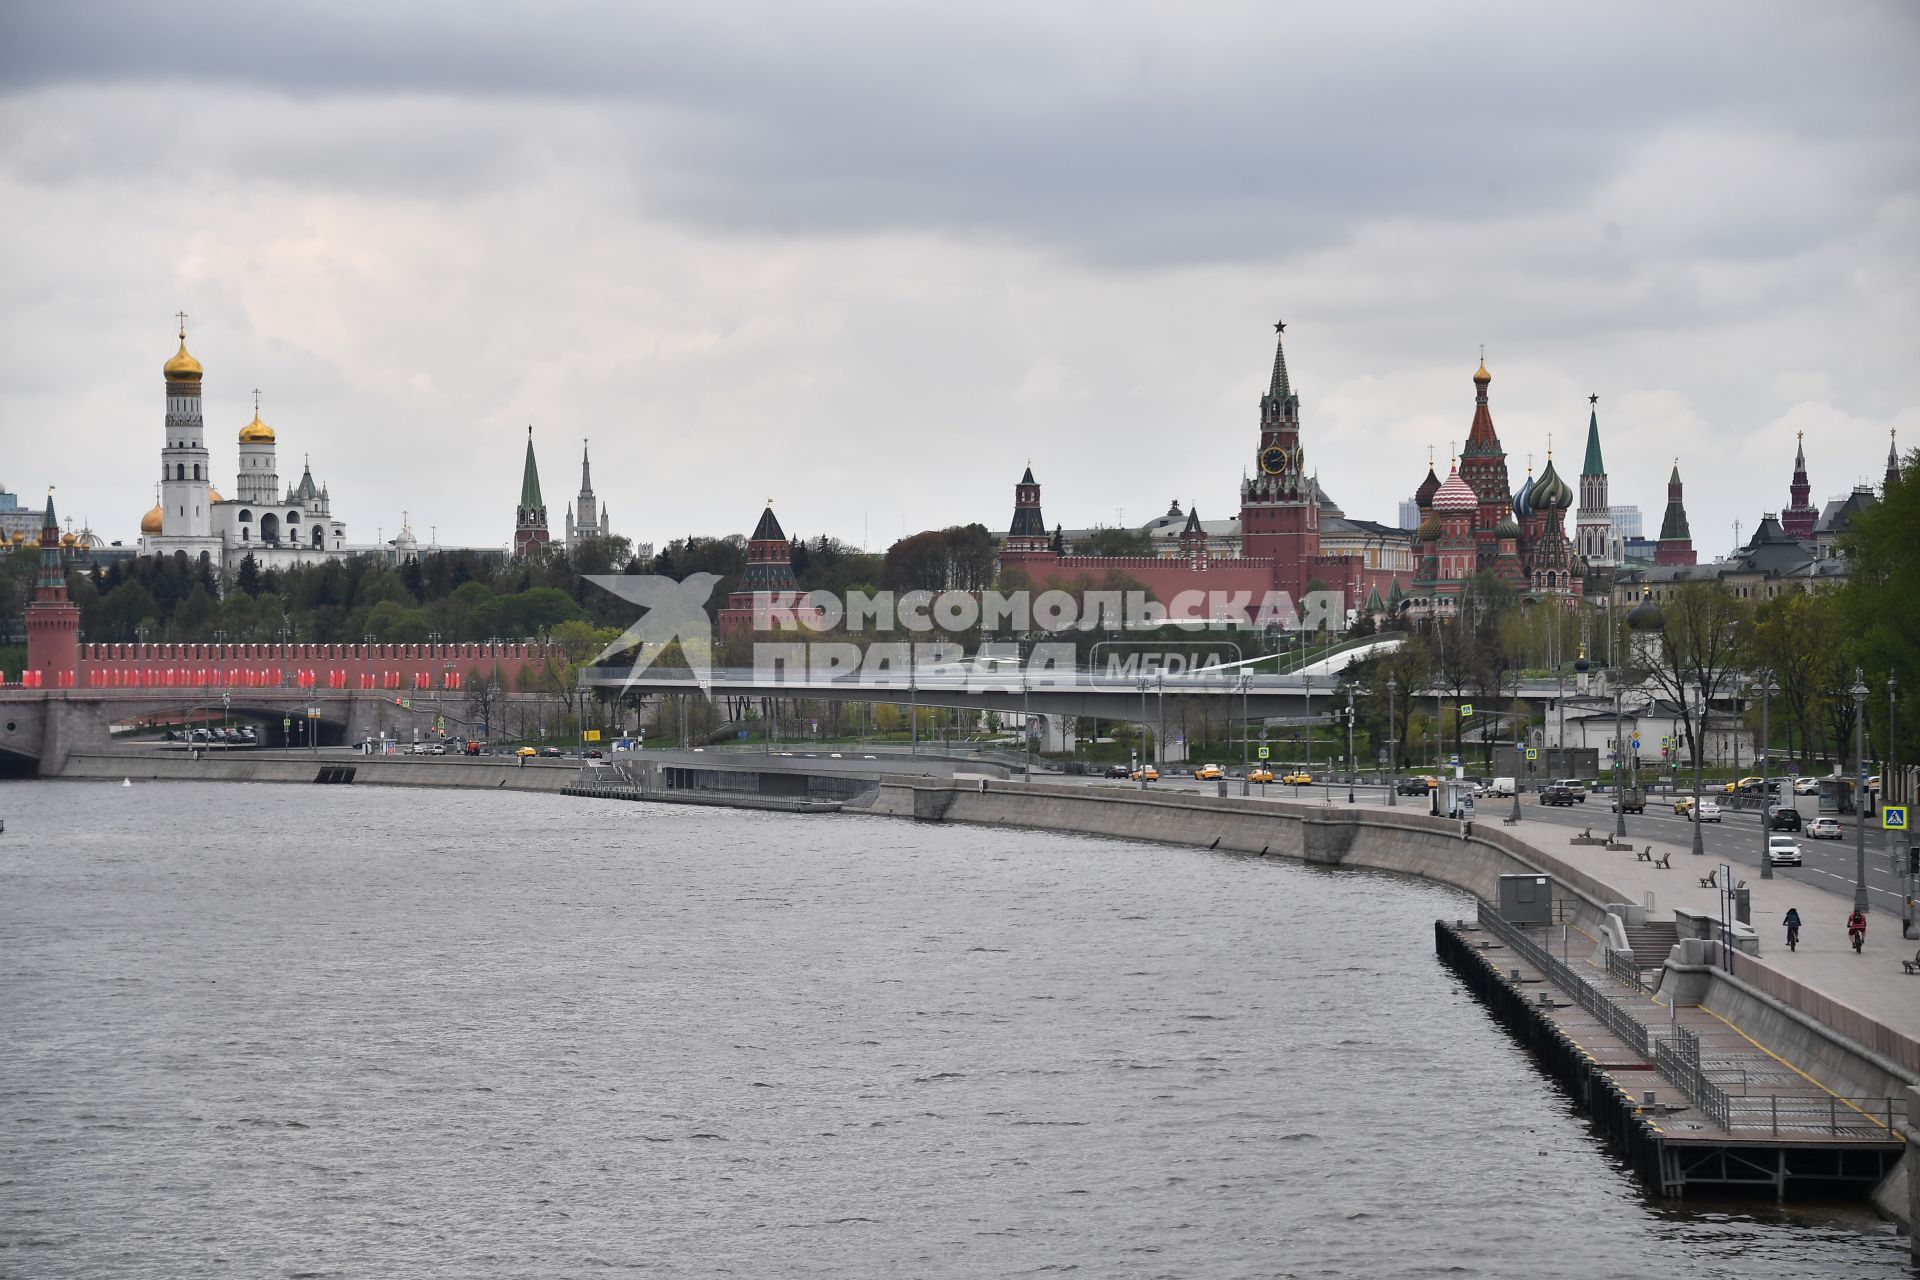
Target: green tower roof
1593 467
530 479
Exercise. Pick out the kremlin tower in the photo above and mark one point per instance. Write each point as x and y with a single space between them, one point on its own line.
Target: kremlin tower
769 574
53 620
1798 519
1594 522
1676 541
530 517
1280 504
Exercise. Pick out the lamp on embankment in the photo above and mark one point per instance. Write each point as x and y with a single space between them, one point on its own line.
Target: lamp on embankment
1393 759
1766 784
1859 692
1699 742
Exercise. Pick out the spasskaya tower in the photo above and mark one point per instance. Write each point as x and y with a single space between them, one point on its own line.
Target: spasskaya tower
1279 503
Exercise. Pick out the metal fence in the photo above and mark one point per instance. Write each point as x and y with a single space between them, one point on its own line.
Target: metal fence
1822 1008
1677 1057
1611 1015
1623 967
1833 1115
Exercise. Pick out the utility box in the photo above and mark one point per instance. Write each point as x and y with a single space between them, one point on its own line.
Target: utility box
1743 905
1526 899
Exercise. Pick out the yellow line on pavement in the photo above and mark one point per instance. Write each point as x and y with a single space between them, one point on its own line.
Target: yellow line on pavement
1842 1098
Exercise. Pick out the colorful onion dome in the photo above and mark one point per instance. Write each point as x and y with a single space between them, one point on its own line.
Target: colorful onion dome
1481 376
1423 496
1646 615
1550 492
1455 495
1507 528
1523 498
1429 530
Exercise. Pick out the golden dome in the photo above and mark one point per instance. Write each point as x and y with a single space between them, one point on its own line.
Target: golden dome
256 432
68 539
1482 376
183 367
151 522
213 495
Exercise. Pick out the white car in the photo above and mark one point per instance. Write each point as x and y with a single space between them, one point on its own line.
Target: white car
1709 811
1806 787
1823 829
1783 851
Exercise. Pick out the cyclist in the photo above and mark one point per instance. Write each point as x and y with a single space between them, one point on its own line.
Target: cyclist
1793 927
1857 928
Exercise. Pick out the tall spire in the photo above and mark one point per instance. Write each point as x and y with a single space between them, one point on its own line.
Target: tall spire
530 477
586 470
1593 465
1893 462
1280 388
1676 540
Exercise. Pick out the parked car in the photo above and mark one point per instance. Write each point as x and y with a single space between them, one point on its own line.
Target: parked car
1709 812
1146 773
1119 771
1630 800
1412 786
1558 795
1260 773
1806 786
1824 829
1209 773
1783 851
550 753
1783 818
1298 778
1501 787
1742 785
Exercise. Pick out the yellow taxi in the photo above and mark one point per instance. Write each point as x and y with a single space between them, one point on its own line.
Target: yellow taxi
1298 778
1209 772
528 751
1683 805
1146 774
1260 773
1743 784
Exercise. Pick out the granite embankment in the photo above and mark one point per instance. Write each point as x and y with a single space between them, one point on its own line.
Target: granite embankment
477 773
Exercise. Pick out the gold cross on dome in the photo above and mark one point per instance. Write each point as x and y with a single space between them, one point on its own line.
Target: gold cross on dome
183 324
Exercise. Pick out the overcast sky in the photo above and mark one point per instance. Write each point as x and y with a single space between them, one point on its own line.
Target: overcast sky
872 260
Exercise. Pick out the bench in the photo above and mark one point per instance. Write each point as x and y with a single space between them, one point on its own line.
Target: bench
1645 855
1664 861
1711 879
1913 965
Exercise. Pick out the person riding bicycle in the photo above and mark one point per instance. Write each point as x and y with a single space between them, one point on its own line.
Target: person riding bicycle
1856 928
1793 926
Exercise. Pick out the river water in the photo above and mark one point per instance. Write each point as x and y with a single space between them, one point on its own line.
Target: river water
330 1031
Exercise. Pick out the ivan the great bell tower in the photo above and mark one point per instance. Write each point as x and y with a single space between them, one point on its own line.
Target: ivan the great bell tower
1279 505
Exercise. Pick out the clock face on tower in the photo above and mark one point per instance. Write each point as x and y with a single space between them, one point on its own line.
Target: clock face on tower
1273 460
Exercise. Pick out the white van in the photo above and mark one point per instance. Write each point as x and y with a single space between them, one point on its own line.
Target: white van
1501 787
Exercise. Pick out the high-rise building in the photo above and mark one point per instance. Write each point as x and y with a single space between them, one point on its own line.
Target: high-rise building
1627 522
586 515
1410 512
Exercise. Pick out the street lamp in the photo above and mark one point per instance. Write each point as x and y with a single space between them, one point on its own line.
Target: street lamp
1350 799
1859 692
1246 729
1307 729
1699 743
1393 759
1619 745
1766 784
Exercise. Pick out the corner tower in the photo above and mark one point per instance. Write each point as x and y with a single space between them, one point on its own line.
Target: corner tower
53 620
1279 504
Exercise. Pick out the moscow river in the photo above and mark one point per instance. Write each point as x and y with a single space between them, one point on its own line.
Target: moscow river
327 1031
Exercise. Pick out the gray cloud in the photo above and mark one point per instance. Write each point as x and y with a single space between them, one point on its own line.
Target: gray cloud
876 258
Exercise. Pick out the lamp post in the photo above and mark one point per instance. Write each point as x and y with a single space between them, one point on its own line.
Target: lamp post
1307 729
1859 692
1393 758
1246 730
1350 799
1518 753
1619 745
1890 773
1699 741
1766 786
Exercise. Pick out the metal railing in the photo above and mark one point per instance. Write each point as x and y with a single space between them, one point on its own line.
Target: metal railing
1624 967
1833 1115
1823 1008
1677 1057
1617 1020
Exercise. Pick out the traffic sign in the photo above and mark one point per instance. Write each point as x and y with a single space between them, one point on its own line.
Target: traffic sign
1635 740
1466 709
1533 753
1893 817
1263 753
